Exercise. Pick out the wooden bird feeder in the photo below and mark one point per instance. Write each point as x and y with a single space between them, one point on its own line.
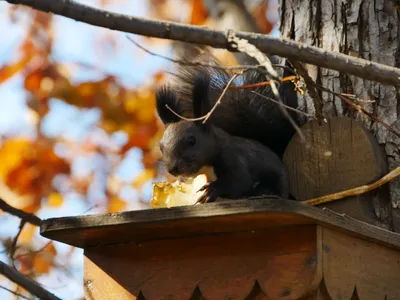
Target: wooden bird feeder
254 249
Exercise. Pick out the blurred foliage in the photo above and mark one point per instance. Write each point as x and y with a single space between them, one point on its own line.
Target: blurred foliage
30 165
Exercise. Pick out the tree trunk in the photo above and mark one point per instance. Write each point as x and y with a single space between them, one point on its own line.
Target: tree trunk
362 28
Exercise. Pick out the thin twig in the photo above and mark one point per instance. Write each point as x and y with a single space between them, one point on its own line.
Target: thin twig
286 106
30 218
13 292
220 97
354 97
184 118
208 115
358 108
204 36
355 191
28 284
34 251
264 83
15 240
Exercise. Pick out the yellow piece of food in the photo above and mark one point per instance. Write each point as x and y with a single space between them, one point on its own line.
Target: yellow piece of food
170 194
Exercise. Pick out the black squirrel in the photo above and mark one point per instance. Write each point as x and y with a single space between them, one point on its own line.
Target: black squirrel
241 112
234 141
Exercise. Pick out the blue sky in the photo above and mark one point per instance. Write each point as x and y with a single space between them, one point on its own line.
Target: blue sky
73 43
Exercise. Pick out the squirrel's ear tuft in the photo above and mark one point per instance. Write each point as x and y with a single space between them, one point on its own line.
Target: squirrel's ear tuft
200 94
165 96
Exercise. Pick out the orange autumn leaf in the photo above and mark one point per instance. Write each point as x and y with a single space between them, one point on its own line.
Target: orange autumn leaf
259 14
11 154
50 249
32 208
29 168
8 71
21 178
25 263
140 139
159 77
87 89
55 200
41 264
33 80
147 112
199 13
44 260
131 101
115 205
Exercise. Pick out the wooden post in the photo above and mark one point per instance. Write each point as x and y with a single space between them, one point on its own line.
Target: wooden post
258 249
342 154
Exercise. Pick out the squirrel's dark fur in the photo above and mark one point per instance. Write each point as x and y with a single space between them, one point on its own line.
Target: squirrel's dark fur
243 167
241 112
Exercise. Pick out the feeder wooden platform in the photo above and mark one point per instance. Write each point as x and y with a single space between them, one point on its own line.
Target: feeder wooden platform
245 249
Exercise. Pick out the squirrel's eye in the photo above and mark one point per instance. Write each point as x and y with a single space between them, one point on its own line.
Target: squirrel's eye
191 140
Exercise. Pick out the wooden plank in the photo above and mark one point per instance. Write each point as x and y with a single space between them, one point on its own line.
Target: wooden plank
226 266
211 218
358 268
97 282
342 154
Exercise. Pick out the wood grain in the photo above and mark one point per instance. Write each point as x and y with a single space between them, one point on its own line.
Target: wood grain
211 218
350 263
342 154
226 266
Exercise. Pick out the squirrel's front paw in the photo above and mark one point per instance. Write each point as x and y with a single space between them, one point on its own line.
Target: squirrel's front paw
210 195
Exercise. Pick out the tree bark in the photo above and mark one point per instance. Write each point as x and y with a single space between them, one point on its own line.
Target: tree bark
361 28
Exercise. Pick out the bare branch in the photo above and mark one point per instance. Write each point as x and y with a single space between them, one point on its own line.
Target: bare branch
264 83
355 191
220 97
15 240
14 293
287 107
190 63
216 38
27 217
28 284
358 108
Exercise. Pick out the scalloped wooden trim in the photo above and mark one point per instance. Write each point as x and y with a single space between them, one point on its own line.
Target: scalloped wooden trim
300 262
257 293
225 266
354 267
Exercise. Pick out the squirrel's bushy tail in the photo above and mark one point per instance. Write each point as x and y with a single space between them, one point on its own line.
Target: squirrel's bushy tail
241 112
